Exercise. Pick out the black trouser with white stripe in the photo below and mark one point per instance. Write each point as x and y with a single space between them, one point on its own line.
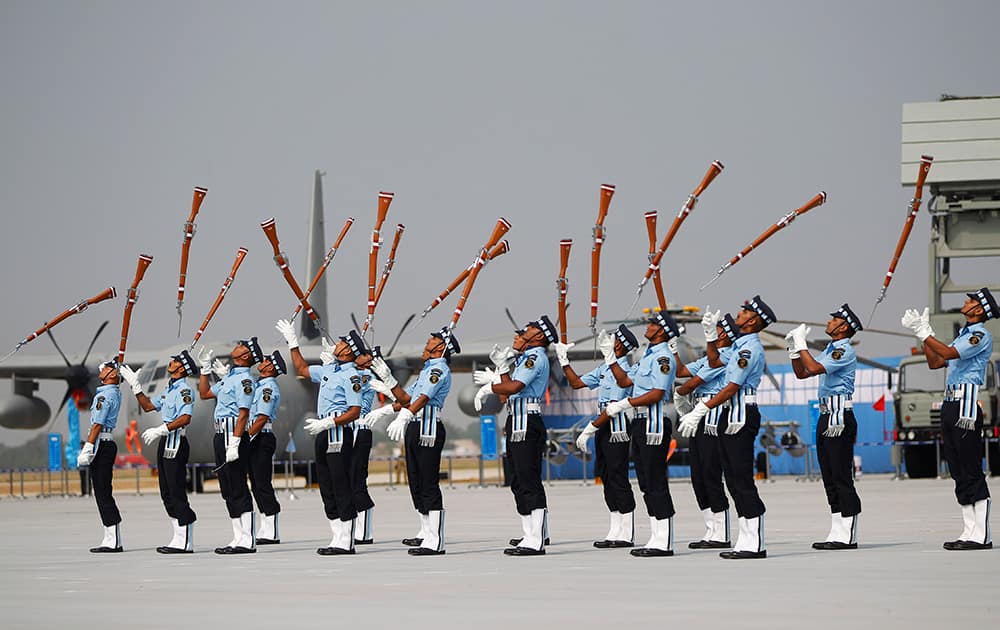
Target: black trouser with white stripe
651 469
737 463
526 458
423 468
172 474
359 470
836 464
261 454
233 476
705 453
963 450
611 465
510 473
333 473
100 475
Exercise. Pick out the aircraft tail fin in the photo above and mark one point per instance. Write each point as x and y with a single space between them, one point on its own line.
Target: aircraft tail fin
315 251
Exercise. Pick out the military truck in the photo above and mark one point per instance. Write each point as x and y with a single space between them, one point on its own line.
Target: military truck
961 134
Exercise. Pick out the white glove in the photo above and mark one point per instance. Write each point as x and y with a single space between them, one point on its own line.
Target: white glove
377 415
925 330
381 370
233 450
382 388
797 338
318 425
131 377
688 424
487 376
151 435
683 403
397 428
502 358
790 346
799 335
287 330
673 345
584 437
562 352
606 345
709 321
834 430
919 323
205 360
327 356
483 392
86 455
221 368
615 407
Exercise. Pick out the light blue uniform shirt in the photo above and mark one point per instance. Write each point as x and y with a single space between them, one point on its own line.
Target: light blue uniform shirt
839 361
746 364
434 381
974 344
655 370
266 398
175 401
532 369
104 408
340 388
601 379
367 393
712 379
233 393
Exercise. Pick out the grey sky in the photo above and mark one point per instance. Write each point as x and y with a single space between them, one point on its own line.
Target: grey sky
467 111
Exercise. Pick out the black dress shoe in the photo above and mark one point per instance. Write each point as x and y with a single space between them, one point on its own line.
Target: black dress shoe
222 550
170 550
334 551
524 551
613 544
514 542
236 550
268 541
968 545
413 542
833 545
370 541
649 552
743 555
424 551
106 550
952 545
709 544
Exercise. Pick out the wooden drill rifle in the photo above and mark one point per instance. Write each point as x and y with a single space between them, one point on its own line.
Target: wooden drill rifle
654 263
131 297
270 228
189 230
384 199
818 200
562 285
499 230
386 270
911 217
657 281
499 249
106 294
240 255
607 192
322 268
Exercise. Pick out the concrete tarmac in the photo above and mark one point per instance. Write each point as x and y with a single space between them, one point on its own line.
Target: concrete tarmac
899 578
